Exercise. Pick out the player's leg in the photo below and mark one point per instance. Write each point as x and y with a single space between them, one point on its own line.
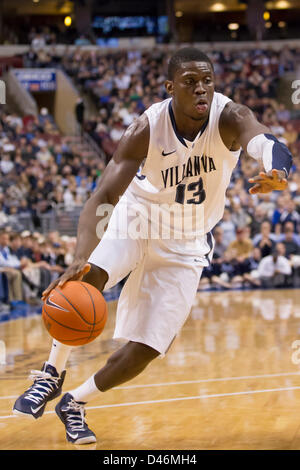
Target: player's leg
125 364
119 257
152 308
115 257
48 382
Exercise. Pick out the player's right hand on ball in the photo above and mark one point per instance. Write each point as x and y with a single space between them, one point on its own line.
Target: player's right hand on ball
74 272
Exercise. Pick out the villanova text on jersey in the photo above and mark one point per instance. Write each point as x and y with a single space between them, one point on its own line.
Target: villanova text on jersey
192 175
193 167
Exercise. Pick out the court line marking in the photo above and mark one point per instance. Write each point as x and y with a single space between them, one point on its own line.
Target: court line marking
218 379
169 400
184 382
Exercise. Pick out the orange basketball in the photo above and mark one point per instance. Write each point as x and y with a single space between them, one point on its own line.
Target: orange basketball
75 314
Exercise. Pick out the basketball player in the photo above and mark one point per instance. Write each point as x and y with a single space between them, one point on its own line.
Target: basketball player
181 152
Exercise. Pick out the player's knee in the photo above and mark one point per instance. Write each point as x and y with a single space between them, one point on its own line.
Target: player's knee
97 277
141 354
136 356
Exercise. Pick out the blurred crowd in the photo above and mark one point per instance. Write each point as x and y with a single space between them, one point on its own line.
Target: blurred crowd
40 169
42 35
270 259
257 241
28 263
123 84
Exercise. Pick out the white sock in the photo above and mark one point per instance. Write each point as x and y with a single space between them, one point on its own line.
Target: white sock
59 355
87 391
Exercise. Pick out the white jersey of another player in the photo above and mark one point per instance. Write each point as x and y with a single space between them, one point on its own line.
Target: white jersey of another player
187 179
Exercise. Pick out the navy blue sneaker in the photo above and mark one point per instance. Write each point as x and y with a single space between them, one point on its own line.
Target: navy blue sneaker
47 385
72 414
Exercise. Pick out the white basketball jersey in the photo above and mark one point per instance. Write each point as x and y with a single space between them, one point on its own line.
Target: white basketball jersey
187 180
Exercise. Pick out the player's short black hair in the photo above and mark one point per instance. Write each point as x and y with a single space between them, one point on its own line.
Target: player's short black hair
187 54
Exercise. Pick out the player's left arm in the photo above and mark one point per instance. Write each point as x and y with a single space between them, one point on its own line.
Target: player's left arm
240 128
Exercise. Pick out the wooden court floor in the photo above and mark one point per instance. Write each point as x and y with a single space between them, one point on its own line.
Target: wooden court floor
229 381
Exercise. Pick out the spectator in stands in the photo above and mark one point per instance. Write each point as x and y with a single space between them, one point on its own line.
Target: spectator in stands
117 130
38 42
240 218
267 204
13 219
258 218
53 236
26 248
6 165
228 273
286 60
290 135
290 227
212 274
129 114
283 114
290 214
30 58
220 246
10 265
228 227
280 206
212 277
40 169
122 81
43 58
241 250
70 244
82 41
16 245
3 216
50 256
290 240
36 273
251 275
274 269
266 240
242 246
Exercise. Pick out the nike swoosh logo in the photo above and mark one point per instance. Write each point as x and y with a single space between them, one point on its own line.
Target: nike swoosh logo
35 410
74 436
169 153
53 304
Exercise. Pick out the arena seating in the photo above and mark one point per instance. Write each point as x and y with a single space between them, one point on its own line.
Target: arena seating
45 177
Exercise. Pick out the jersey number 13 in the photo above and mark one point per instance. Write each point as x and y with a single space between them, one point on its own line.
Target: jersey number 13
196 188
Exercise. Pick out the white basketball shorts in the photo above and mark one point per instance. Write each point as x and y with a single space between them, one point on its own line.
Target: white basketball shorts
163 279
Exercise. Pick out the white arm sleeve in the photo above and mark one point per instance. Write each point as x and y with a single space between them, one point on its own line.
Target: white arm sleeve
274 154
261 148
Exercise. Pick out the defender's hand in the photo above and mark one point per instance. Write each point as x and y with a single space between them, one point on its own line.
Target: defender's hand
274 180
75 272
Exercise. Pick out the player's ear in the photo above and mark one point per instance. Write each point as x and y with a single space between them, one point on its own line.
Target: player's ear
169 86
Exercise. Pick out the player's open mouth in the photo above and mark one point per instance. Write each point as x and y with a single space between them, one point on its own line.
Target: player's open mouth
202 106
